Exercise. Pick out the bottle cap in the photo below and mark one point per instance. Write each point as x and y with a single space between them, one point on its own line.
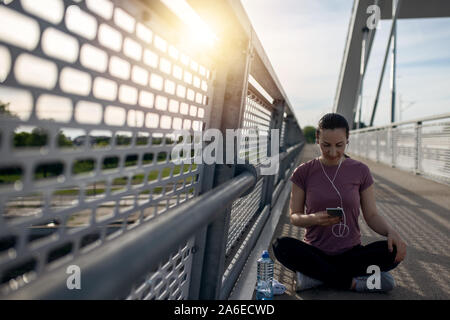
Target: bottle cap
265 254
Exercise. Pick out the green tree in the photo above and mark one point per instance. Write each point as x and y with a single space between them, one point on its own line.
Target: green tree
83 166
3 107
37 138
310 134
123 140
63 140
4 110
21 139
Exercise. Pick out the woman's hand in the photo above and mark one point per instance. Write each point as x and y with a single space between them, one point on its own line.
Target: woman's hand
394 240
322 218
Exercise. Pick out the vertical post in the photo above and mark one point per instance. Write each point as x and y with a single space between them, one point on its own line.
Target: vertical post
275 123
361 73
293 136
418 164
289 140
367 144
393 146
291 132
216 102
393 62
378 132
235 64
284 132
360 143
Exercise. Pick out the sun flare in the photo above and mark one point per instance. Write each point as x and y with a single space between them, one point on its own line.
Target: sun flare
198 33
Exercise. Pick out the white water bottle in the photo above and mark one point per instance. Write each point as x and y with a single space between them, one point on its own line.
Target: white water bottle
264 289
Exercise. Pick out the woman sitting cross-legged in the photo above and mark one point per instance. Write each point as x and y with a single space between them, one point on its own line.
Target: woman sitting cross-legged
331 252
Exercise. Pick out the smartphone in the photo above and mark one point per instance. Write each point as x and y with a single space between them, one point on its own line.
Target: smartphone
335 212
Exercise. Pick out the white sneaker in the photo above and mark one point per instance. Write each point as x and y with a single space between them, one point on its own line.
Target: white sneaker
304 282
278 288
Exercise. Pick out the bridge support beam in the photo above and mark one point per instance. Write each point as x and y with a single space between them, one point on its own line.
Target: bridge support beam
231 95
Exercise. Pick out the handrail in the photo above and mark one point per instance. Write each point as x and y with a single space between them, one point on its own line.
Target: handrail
144 247
106 273
394 124
283 155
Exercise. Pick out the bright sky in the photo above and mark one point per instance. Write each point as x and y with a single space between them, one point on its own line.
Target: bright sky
305 40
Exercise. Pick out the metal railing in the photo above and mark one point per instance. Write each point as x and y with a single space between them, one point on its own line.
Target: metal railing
132 250
90 95
421 146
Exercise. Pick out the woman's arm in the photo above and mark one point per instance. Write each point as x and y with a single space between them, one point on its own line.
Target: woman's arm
297 211
379 225
370 213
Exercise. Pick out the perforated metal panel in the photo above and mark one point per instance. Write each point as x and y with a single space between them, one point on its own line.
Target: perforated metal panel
372 145
434 158
170 281
353 146
242 212
257 116
422 147
405 147
385 146
90 94
256 119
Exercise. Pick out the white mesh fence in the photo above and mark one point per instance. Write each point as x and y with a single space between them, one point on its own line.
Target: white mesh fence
90 92
422 147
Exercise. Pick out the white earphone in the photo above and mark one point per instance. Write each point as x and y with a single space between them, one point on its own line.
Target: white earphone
343 230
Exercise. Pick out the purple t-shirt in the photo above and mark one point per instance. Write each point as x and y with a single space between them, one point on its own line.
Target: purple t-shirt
353 178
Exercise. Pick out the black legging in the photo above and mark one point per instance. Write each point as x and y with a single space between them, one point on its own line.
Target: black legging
335 271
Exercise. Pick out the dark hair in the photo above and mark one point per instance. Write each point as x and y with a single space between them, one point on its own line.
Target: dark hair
333 121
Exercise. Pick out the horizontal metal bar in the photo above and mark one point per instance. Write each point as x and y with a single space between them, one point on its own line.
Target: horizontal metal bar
290 150
108 272
258 94
432 118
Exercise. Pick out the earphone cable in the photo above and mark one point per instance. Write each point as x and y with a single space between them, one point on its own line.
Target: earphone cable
343 228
